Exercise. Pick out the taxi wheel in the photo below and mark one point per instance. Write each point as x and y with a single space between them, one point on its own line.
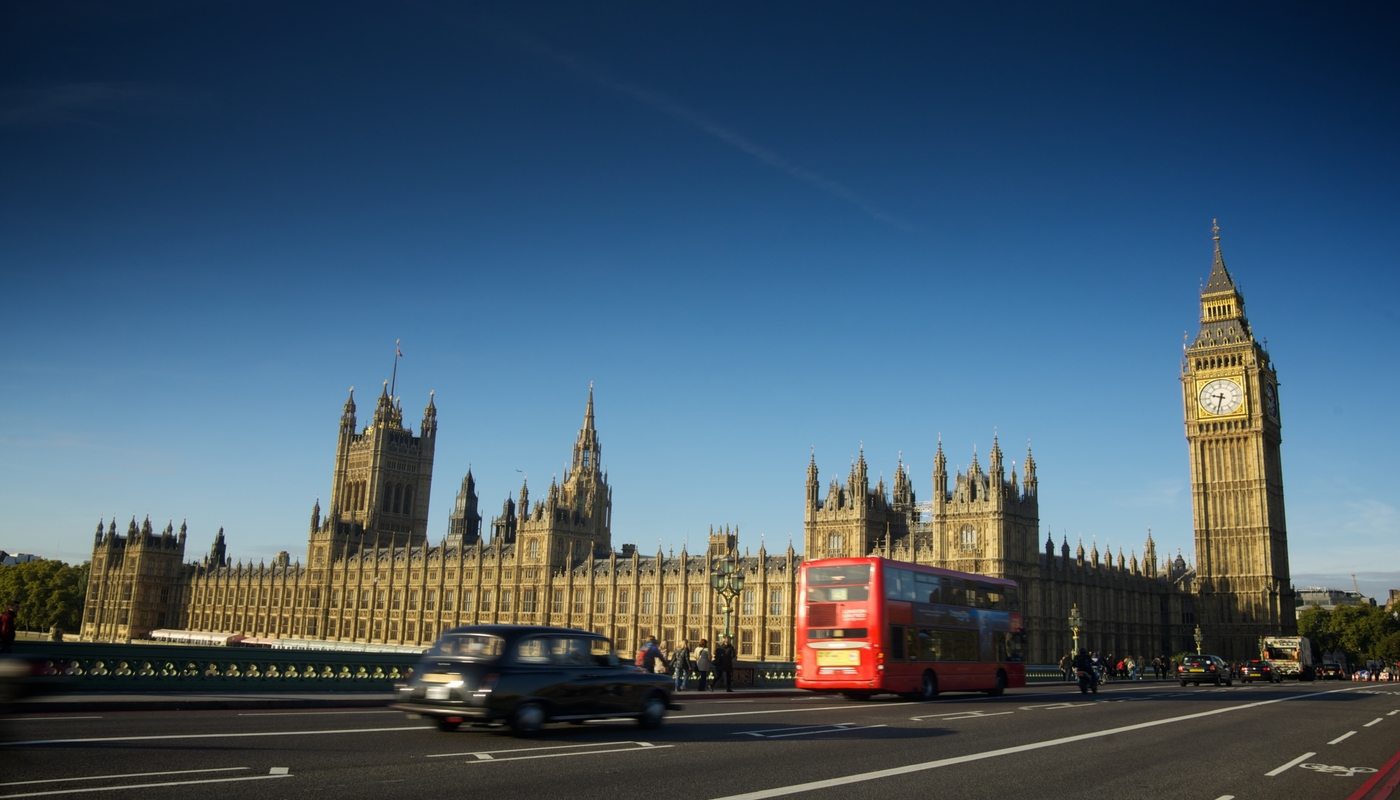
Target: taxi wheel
449 725
653 711
527 719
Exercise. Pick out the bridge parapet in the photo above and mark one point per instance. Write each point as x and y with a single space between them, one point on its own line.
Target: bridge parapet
100 667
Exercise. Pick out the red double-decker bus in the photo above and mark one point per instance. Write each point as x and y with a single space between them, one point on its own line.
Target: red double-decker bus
871 625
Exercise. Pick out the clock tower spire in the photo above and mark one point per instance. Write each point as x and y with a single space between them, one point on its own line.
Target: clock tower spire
1233 431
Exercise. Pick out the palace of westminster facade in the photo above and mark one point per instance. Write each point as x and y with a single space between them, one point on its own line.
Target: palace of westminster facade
371 575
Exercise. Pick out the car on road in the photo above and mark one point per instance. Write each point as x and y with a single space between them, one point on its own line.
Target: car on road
523 676
1200 669
1257 669
1332 671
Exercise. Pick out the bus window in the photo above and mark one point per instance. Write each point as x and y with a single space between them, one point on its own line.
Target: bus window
897 642
927 588
899 584
854 575
836 594
926 650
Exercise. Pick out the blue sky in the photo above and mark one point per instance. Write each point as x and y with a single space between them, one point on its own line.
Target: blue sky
759 230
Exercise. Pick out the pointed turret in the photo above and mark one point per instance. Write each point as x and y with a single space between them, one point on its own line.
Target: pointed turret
347 415
429 428
218 554
1149 556
1031 482
316 516
588 452
1223 320
464 523
384 409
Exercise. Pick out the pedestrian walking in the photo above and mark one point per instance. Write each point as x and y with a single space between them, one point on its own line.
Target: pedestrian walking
703 664
724 665
680 665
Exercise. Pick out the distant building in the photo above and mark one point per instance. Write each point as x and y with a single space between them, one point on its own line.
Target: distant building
372 576
1330 599
9 560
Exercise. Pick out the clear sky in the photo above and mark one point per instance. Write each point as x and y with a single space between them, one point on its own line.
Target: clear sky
761 230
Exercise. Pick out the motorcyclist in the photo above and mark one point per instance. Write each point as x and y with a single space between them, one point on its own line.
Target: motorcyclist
1084 669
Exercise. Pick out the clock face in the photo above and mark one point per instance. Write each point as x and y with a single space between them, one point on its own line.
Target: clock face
1221 396
1270 400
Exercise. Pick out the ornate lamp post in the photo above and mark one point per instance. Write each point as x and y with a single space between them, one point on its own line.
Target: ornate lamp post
1198 638
728 581
1076 621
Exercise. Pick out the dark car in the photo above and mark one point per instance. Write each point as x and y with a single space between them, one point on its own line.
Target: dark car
1257 669
523 676
1331 671
1200 669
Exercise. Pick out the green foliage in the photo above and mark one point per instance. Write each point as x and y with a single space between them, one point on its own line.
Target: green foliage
1362 632
49 593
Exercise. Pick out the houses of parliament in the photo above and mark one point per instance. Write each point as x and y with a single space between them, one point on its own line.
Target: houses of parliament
372 575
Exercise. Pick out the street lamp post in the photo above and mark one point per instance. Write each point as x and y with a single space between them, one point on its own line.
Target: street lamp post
728 581
1076 621
1198 638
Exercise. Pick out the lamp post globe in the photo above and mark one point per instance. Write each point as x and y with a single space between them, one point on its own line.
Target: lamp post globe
727 581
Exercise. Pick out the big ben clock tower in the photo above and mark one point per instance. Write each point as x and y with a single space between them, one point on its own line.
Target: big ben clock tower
1233 429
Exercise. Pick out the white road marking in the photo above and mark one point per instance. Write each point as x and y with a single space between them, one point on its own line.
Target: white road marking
1290 765
125 775
125 787
279 770
170 736
48 719
848 707
1053 706
487 753
1372 722
1005 751
1346 735
962 715
1225 797
807 730
600 749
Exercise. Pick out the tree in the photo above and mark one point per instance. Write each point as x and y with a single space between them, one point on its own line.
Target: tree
49 593
1362 632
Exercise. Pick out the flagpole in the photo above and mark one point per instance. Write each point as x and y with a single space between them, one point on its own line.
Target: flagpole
394 376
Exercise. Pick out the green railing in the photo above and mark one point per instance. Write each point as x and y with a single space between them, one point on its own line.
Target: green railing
96 667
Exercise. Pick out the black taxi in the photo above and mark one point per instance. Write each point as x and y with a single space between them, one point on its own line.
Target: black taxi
523 676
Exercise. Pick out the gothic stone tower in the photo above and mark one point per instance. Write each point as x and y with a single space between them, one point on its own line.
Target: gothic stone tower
380 485
574 521
1230 393
136 583
987 523
854 520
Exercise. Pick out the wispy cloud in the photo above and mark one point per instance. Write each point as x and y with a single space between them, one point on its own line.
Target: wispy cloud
660 102
81 104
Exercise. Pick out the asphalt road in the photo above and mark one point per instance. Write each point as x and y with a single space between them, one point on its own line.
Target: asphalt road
1295 741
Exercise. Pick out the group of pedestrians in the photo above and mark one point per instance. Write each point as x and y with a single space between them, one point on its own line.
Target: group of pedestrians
709 669
1107 667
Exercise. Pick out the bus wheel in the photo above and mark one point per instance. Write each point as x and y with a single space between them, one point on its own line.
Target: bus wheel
928 687
996 691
